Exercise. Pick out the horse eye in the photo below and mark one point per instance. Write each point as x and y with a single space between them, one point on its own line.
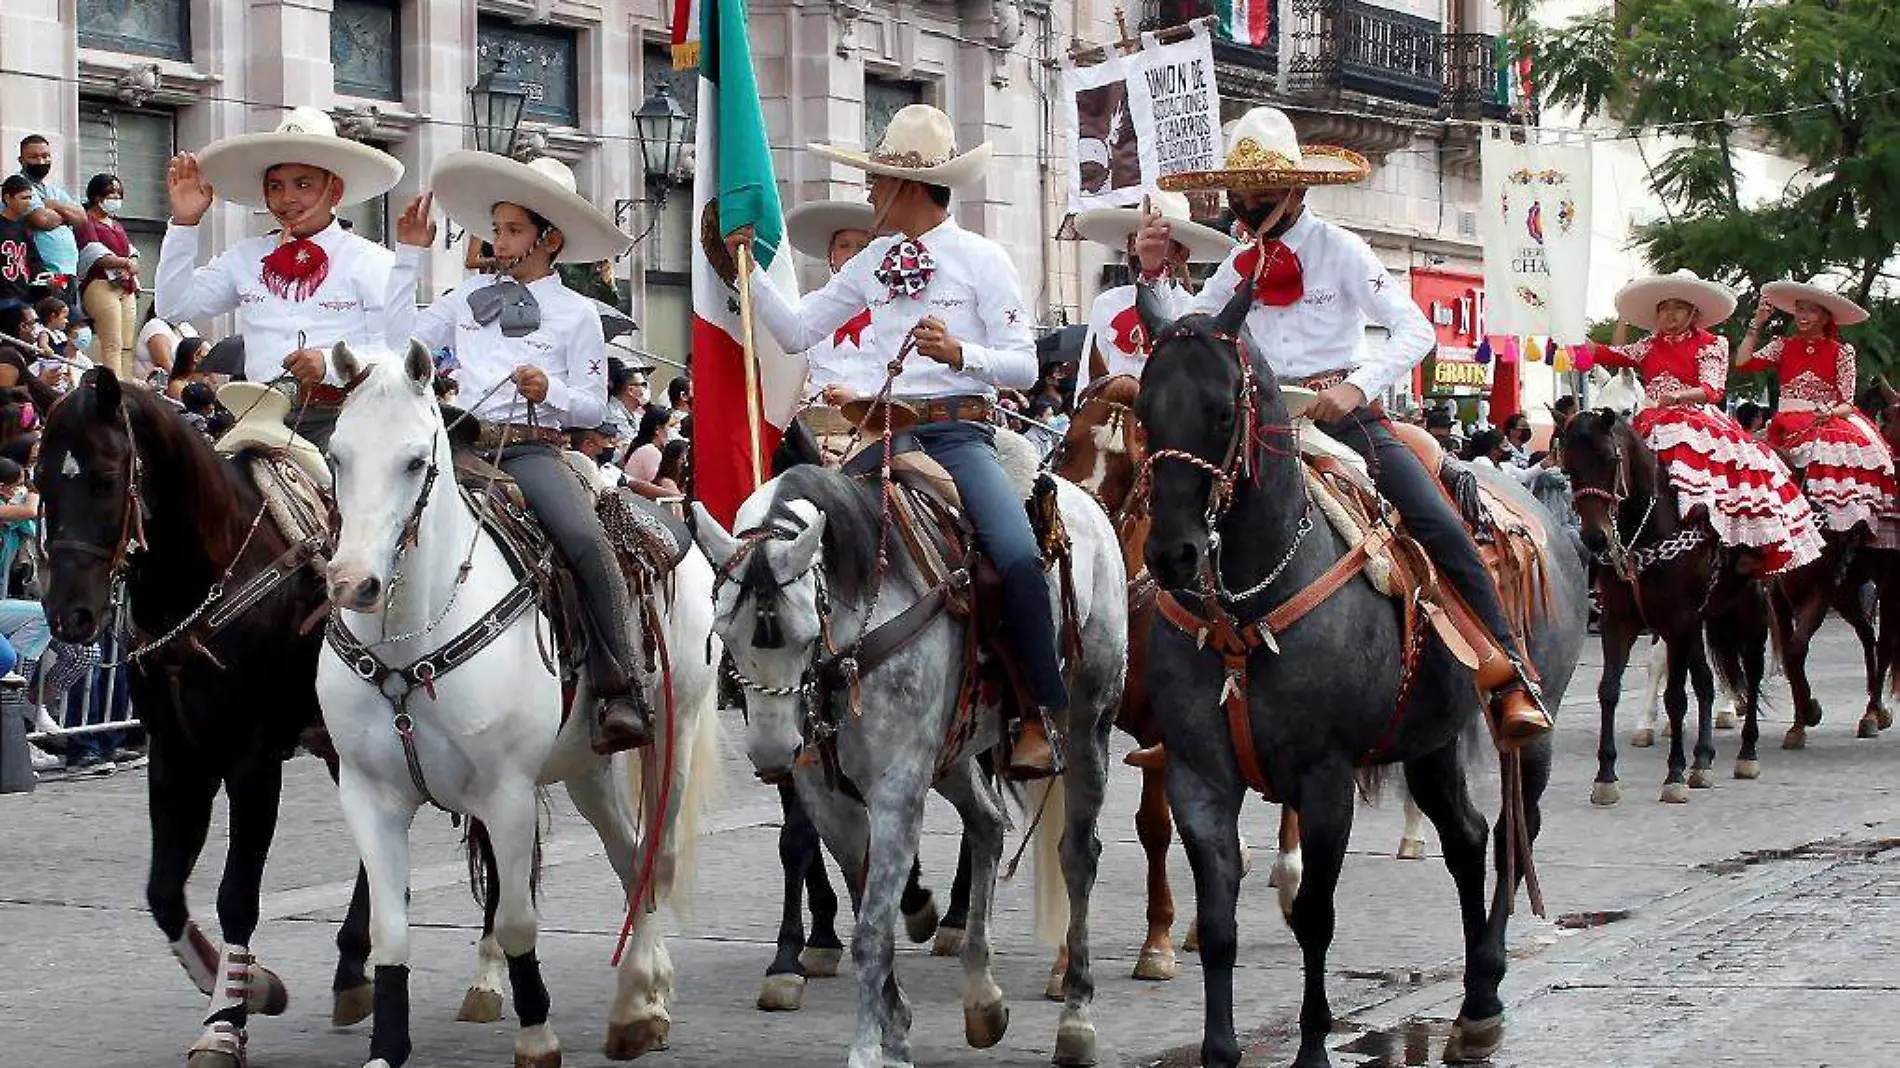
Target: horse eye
416 465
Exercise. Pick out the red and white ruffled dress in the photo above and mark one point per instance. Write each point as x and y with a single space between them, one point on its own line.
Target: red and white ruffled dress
1845 466
1749 494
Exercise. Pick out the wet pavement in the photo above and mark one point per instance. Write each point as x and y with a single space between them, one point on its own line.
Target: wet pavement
1756 925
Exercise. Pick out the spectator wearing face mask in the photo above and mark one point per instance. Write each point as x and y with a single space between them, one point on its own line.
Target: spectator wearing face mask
109 292
54 238
1517 439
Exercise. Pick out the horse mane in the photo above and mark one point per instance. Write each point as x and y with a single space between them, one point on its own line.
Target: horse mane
853 528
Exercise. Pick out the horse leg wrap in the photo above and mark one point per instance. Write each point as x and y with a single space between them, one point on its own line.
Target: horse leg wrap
233 987
199 958
389 1040
531 994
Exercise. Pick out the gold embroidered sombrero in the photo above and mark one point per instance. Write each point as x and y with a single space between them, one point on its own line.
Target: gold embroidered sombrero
1264 152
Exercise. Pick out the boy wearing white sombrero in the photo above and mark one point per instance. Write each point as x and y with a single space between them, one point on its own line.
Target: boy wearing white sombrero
1315 285
949 302
306 286
1116 344
834 231
533 362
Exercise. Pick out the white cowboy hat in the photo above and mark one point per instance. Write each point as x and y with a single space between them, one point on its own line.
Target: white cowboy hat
261 412
469 184
1264 152
1113 227
1782 296
235 166
1636 302
810 227
919 145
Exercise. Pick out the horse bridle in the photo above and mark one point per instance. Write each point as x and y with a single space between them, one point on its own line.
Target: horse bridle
814 728
131 522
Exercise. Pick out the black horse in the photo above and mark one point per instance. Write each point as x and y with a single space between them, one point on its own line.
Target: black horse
1323 699
137 498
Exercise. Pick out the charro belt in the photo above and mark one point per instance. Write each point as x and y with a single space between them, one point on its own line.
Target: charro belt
492 436
971 409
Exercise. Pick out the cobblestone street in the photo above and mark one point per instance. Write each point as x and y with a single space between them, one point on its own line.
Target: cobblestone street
1757 925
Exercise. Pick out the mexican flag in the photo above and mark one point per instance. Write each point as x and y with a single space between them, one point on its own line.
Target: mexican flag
1247 22
733 168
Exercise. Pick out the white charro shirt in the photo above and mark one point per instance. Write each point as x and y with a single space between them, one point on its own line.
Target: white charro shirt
1325 330
349 306
973 291
1115 330
843 359
568 347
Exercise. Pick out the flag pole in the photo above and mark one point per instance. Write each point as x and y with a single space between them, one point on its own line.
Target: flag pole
751 367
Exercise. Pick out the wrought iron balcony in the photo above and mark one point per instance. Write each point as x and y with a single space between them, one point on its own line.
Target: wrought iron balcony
1474 78
1162 14
1359 47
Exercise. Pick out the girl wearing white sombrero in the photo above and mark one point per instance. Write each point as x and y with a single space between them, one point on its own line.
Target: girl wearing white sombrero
1115 343
1720 474
948 301
1845 466
297 291
533 362
1315 286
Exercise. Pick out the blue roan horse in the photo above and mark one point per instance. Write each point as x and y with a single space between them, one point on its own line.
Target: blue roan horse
1324 698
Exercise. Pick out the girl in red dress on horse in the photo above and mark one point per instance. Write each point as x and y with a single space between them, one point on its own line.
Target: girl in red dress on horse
1844 465
1720 474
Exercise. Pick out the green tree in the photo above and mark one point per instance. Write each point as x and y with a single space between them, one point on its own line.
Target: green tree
1821 80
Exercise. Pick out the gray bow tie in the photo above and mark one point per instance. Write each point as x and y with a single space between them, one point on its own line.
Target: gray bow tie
509 301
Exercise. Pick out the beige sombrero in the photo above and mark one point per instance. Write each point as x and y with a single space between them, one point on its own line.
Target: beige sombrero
469 184
235 166
1783 295
810 227
1264 152
1114 226
261 412
1636 303
919 145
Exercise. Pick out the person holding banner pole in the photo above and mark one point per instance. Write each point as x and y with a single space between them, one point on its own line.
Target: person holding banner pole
1315 284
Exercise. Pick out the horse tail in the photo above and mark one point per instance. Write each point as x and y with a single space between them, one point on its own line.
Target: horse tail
1729 654
1776 612
1052 890
697 804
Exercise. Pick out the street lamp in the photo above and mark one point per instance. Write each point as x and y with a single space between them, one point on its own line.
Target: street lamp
660 124
496 101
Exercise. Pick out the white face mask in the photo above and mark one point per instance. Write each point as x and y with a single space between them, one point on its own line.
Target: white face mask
112 205
82 338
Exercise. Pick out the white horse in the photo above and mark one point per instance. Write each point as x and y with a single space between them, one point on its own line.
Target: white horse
799 585
412 571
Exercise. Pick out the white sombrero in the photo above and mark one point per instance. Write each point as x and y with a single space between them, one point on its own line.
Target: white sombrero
235 166
260 412
1636 303
1264 152
469 184
810 227
1113 227
919 145
1783 295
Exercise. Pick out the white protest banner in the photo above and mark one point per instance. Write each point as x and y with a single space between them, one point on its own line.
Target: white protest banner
1536 229
1136 117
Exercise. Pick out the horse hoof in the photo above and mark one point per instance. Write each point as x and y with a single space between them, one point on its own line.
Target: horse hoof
1675 793
1472 1041
221 1046
1748 769
984 1025
267 995
1885 717
1052 990
1701 779
920 925
1156 964
1192 943
479 1006
1411 849
820 963
1605 794
636 1038
1813 718
214 1058
1796 738
352 1006
782 993
1643 739
1725 720
550 1059
1075 1043
949 942
1869 727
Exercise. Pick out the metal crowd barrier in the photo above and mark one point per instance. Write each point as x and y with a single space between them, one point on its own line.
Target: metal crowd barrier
99 703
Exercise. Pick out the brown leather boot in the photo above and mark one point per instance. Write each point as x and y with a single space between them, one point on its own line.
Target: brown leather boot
1033 756
1520 716
1148 758
621 722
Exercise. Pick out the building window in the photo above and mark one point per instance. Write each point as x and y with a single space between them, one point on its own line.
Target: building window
136 145
370 219
884 97
366 48
545 59
142 27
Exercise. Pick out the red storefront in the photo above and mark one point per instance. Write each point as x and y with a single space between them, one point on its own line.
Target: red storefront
1454 303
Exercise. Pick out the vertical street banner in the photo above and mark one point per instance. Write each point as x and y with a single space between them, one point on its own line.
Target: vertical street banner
733 187
1535 223
1133 118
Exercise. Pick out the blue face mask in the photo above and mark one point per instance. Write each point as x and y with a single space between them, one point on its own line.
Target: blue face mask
82 339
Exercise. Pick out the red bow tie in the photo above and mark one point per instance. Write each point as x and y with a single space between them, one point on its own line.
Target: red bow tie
295 271
1281 283
853 330
1130 335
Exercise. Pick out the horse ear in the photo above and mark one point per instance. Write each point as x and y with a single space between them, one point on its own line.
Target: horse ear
804 548
1148 310
106 394
420 366
712 538
345 361
1234 316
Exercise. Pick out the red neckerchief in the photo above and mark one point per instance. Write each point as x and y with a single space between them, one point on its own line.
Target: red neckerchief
295 271
1282 283
1129 335
853 330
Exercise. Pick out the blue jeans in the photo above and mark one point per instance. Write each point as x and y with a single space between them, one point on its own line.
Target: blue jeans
995 508
23 624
